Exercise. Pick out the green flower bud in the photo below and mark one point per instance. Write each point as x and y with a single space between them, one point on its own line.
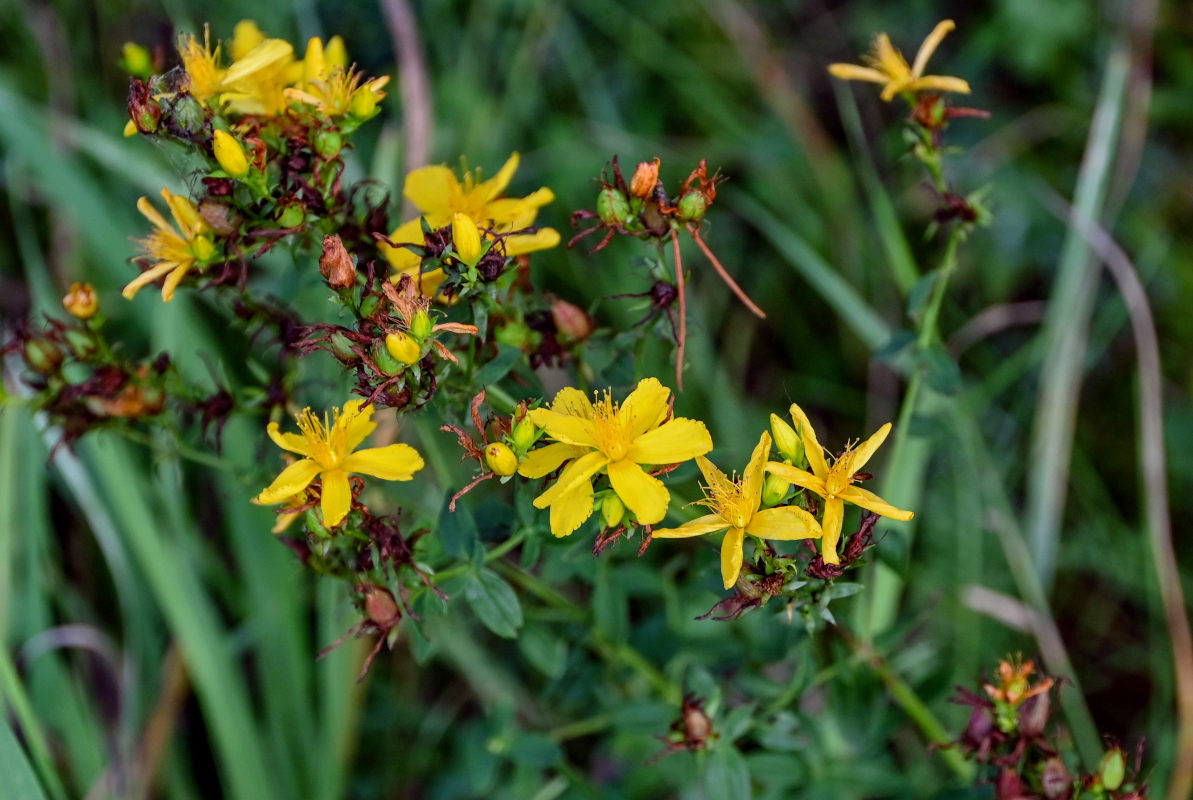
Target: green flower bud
501 459
341 347
787 441
403 347
328 143
774 490
612 510
136 60
692 206
292 216
524 434
421 325
230 154
613 207
386 361
514 333
43 356
1113 769
368 304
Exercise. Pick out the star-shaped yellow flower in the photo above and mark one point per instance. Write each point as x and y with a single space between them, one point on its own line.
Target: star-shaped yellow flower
734 505
617 439
835 483
173 252
886 65
327 451
439 195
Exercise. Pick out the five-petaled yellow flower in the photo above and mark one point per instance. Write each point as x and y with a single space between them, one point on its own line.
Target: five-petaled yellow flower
617 439
173 252
439 195
327 451
734 505
886 65
835 483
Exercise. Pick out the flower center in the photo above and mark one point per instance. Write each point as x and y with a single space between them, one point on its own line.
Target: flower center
610 437
840 475
727 498
321 438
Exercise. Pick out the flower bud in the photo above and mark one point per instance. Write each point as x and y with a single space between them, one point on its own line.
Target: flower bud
341 347
403 347
646 176
81 301
787 441
774 490
380 607
335 265
369 305
515 333
692 206
386 362
421 325
612 510
43 356
202 248
230 154
612 206
501 459
466 239
1113 769
570 320
292 215
363 104
136 60
1033 714
524 434
1055 780
335 54
189 115
328 143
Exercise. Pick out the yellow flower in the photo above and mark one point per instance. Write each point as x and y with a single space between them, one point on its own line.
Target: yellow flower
835 483
886 65
439 195
204 77
734 505
327 451
616 439
255 83
341 92
81 301
173 251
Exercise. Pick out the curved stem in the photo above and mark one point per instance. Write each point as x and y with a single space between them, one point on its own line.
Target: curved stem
683 312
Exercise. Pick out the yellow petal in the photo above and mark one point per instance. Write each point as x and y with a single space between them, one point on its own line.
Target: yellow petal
709 523
644 408
890 60
288 441
356 422
812 449
834 514
564 427
578 472
644 495
337 497
492 188
872 502
395 462
570 510
293 480
514 213
751 481
784 523
866 449
572 401
431 189
854 72
674 441
153 215
799 477
713 477
930 44
172 280
314 67
542 239
245 36
731 556
266 54
939 83
547 459
336 54
148 276
185 213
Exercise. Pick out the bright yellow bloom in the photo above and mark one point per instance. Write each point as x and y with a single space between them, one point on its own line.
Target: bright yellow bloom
81 301
886 65
173 251
439 195
341 92
604 436
204 76
256 82
734 505
835 483
327 451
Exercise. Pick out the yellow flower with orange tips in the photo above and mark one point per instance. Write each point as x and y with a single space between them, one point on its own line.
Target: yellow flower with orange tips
171 252
885 65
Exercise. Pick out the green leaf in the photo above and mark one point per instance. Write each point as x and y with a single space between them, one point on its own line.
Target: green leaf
921 290
545 652
727 777
534 750
457 529
940 370
495 603
610 608
16 776
495 370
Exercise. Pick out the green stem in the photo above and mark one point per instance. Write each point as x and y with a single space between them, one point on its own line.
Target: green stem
12 690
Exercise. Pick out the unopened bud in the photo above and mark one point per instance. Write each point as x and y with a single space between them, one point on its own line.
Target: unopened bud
189 115
501 459
524 434
403 347
386 363
612 510
692 206
1113 769
81 301
1055 780
466 239
335 265
363 104
136 60
774 490
202 248
380 607
570 320
230 154
335 54
341 347
645 178
421 325
787 441
292 215
328 143
43 356
613 207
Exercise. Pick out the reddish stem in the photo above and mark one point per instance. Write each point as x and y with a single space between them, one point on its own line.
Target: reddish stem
683 311
737 290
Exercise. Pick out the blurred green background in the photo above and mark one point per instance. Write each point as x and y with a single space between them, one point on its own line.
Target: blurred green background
132 561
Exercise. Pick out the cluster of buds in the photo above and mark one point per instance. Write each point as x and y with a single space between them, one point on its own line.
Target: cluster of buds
501 444
1009 729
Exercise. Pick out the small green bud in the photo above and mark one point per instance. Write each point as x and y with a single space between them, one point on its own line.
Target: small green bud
514 333
43 356
292 216
136 60
1113 769
403 347
385 360
612 206
328 143
612 510
524 434
421 325
341 347
202 248
81 343
368 305
692 206
774 490
787 441
501 459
